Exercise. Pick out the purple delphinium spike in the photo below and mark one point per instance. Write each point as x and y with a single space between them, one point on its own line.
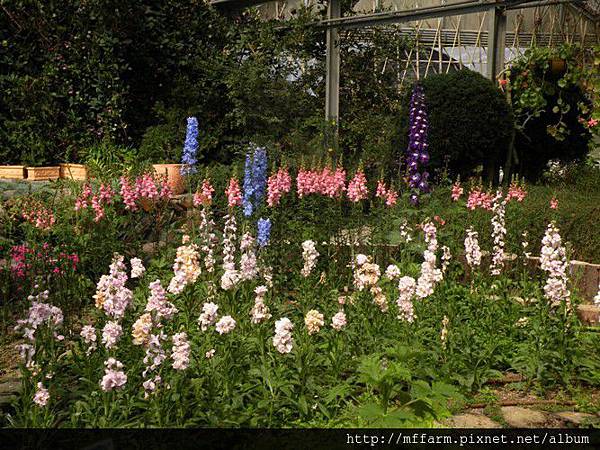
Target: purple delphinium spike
417 152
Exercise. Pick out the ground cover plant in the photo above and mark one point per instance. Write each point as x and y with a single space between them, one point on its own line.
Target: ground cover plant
288 297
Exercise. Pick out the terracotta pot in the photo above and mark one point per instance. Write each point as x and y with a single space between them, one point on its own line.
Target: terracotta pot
74 171
173 174
12 172
43 173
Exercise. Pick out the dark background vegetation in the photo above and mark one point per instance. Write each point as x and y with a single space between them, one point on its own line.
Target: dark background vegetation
97 79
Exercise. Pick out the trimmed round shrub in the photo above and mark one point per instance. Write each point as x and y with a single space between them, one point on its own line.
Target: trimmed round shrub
470 124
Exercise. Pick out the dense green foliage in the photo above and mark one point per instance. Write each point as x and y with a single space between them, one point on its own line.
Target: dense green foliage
470 123
552 110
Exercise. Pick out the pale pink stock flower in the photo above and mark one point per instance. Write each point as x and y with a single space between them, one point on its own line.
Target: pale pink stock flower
180 352
338 321
392 272
114 377
137 268
313 320
88 334
283 340
209 354
41 396
225 325
208 316
554 203
111 333
309 255
260 312
498 233
158 303
472 250
553 260
406 291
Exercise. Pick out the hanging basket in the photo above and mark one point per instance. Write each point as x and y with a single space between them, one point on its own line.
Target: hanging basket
558 66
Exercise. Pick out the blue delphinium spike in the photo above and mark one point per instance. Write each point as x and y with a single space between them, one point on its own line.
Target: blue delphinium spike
190 147
248 187
264 232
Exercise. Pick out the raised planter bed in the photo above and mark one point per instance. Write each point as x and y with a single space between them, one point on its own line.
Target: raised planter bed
73 171
12 172
43 173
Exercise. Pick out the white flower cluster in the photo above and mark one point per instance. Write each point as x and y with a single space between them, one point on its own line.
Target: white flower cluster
430 275
112 295
338 321
498 233
186 267
314 320
231 276
283 340
111 333
260 311
406 290
472 250
114 377
225 325
88 334
180 353
309 255
446 257
208 316
553 260
209 240
248 262
137 268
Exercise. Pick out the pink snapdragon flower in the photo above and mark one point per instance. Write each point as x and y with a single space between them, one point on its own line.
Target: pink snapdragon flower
129 194
204 195
516 191
554 203
233 193
357 187
457 191
278 184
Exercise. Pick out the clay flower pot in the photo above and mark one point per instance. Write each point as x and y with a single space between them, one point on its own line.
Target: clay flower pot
173 174
43 173
12 172
73 171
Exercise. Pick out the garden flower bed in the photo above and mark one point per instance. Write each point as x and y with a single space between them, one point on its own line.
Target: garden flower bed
264 306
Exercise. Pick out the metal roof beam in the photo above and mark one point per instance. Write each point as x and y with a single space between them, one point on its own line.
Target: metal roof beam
416 14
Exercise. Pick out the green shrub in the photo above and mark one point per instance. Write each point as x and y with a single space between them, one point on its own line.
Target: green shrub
470 123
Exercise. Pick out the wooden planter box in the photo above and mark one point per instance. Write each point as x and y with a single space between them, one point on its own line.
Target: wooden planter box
74 171
43 173
12 172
